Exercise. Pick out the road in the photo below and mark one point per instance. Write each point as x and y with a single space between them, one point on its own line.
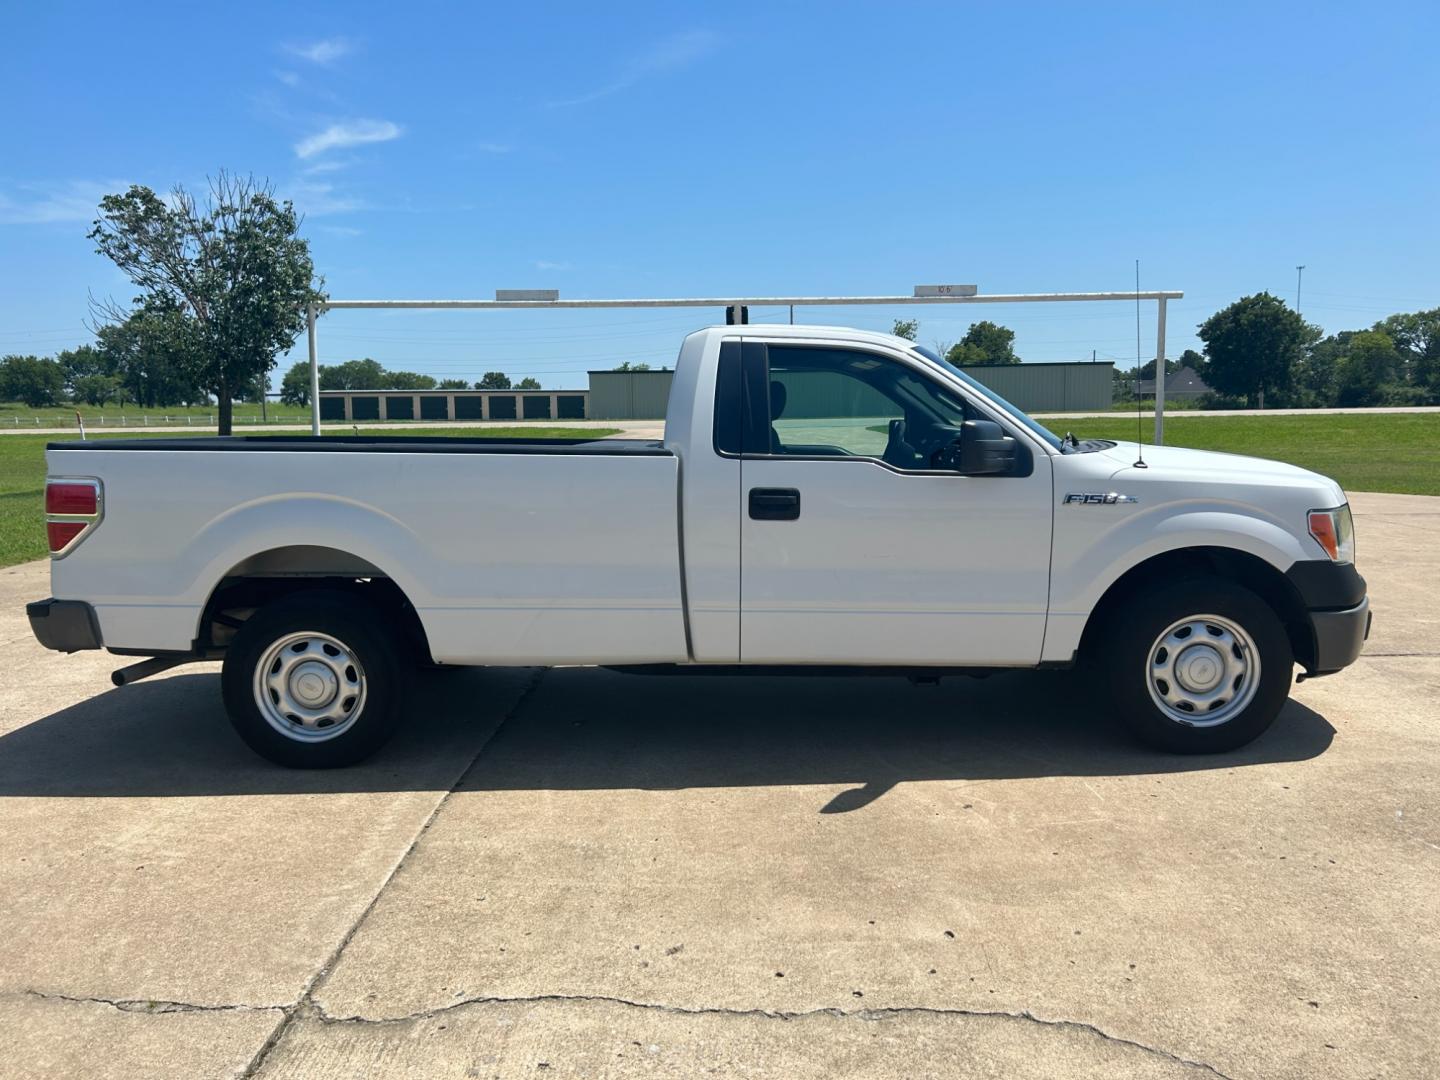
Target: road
581 873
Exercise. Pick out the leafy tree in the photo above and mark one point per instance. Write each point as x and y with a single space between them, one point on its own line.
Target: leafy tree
984 343
407 380
295 386
1253 347
364 374
906 328
628 366
33 380
454 384
528 383
94 389
1417 337
86 360
1370 367
1147 369
1316 380
144 352
232 276
493 380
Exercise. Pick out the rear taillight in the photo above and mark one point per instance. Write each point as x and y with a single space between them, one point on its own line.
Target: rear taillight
73 507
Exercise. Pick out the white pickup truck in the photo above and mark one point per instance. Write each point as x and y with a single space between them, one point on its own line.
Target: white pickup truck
822 498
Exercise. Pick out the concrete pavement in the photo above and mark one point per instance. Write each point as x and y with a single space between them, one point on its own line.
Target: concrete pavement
587 873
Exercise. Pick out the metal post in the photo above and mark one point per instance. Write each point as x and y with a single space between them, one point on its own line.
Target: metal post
1160 374
314 371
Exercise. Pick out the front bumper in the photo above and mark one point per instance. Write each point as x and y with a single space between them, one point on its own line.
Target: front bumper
64 625
1339 609
1339 636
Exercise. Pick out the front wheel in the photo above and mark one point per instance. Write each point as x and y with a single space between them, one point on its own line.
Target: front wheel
311 681
1197 667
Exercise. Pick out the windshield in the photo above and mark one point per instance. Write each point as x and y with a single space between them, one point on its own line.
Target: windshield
1040 430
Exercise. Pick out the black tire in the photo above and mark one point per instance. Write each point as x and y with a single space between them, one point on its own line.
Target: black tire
375 703
1128 653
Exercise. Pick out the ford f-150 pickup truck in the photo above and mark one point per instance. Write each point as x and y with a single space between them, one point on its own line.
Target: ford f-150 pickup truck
822 497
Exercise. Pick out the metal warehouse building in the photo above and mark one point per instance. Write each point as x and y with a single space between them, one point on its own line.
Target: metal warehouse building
642 395
1062 387
452 404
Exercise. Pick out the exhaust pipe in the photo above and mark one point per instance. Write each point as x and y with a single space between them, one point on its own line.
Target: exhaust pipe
145 668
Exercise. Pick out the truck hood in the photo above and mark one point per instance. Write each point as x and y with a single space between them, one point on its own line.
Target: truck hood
1178 461
1175 465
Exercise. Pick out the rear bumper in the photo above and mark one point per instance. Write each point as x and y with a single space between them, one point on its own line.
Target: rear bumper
64 625
1339 636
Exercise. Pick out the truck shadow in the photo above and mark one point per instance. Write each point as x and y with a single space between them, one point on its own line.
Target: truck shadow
583 728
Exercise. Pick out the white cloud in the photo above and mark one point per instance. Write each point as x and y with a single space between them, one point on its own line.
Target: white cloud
668 54
345 134
289 78
327 166
325 51
73 200
546 264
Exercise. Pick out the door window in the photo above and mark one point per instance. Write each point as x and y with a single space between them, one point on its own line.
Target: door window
848 403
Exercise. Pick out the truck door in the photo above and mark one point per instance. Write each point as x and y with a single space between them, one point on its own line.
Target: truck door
854 546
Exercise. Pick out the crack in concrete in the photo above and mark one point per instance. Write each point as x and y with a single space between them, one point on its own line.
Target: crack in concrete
152 1006
868 1014
306 998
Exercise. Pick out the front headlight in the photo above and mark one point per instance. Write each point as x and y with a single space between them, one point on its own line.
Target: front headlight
1334 531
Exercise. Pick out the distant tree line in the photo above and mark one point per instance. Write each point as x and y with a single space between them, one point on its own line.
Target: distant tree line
126 365
1259 353
370 374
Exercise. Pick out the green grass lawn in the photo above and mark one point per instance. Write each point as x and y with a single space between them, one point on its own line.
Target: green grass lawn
22 475
1397 452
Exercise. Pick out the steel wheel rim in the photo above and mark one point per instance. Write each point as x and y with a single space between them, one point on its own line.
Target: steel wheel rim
1202 670
310 686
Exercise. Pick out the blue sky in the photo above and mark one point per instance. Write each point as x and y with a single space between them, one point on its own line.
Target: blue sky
672 150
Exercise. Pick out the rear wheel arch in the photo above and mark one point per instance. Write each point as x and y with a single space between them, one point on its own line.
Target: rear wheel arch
1241 567
278 573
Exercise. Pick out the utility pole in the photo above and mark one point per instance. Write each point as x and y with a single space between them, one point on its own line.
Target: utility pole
1299 277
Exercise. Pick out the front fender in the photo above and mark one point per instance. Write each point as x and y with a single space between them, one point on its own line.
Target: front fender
1082 572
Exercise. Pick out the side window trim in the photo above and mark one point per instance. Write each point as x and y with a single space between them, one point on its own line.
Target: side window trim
756 367
755 397
728 430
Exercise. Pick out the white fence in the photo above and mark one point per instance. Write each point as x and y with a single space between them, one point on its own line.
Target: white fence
143 420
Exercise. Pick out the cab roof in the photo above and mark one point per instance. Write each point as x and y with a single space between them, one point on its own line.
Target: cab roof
809 332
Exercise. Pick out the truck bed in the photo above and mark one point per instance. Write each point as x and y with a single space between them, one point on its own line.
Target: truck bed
512 551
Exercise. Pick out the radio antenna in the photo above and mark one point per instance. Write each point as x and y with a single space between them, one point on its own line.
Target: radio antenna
1139 415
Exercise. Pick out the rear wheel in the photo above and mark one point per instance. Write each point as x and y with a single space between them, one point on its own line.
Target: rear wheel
1197 667
312 681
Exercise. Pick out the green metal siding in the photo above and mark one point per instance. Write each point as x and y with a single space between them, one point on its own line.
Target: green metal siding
629 395
1049 387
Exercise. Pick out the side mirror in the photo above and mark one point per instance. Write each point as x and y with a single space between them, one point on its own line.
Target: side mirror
983 449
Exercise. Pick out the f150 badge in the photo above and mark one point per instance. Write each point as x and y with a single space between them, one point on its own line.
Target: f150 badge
1095 498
